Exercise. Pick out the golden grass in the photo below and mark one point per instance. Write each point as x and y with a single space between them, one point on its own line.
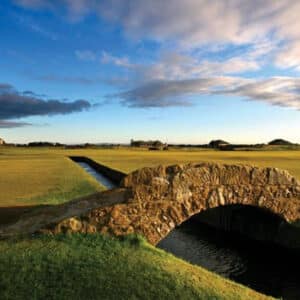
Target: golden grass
41 178
129 160
47 176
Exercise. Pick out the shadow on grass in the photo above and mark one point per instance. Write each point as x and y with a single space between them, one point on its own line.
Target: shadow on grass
11 214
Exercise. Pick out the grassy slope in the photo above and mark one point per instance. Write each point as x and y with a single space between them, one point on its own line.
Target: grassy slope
41 177
97 267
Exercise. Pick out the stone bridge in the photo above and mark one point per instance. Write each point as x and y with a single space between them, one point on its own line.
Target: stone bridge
152 201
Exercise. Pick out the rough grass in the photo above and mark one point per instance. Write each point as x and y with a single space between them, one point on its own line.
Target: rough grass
46 176
98 267
129 160
32 178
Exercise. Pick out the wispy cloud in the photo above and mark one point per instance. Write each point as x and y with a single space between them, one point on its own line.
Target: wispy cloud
68 79
33 26
280 91
11 124
269 30
289 57
118 61
165 93
175 79
172 65
194 23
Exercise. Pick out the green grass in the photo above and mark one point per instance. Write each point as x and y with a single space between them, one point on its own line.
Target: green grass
98 267
31 176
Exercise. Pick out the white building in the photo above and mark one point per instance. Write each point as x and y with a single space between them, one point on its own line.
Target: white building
2 142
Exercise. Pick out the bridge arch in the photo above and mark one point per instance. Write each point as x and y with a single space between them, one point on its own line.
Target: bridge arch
243 221
161 198
153 201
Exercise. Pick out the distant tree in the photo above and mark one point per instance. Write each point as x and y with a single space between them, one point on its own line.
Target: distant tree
280 142
41 144
218 144
141 143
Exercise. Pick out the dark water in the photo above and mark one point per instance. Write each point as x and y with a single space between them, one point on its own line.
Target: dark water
98 176
266 268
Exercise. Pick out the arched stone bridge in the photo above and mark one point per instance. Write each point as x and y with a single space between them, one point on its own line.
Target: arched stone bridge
152 201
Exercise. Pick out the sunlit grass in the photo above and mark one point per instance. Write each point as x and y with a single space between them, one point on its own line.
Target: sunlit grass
41 178
47 176
98 267
129 160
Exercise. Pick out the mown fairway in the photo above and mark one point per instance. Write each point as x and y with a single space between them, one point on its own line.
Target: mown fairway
30 176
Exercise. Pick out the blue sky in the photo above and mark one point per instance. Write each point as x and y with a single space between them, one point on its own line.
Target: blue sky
181 71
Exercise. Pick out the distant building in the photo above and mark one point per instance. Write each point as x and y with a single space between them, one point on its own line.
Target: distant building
2 142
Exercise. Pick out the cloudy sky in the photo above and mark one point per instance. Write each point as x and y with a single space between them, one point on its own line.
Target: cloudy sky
181 71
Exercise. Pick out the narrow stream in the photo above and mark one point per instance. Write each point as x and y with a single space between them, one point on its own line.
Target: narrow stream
98 176
266 268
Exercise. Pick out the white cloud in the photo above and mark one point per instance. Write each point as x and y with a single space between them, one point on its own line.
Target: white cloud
195 21
289 57
234 65
203 21
174 66
280 91
118 61
269 30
